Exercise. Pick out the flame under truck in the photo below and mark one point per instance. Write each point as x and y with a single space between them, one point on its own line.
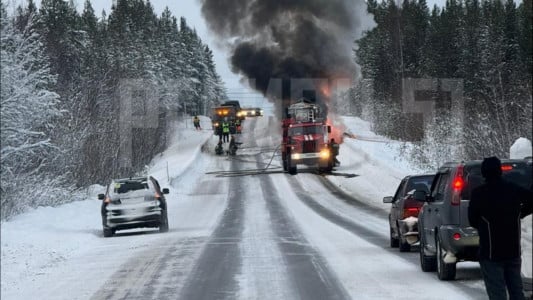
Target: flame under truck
305 138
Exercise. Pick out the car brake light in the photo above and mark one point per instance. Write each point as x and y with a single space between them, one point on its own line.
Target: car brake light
458 183
507 168
457 186
410 212
456 236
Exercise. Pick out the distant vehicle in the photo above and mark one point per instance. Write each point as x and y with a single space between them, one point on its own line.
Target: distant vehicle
403 216
446 236
238 110
220 114
133 203
252 112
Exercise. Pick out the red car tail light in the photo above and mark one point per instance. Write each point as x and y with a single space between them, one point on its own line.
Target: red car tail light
457 186
507 168
411 212
456 236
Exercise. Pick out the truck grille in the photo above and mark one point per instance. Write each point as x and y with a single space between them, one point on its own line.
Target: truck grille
310 146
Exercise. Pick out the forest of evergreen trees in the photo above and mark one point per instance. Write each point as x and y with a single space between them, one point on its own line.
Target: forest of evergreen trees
61 72
487 44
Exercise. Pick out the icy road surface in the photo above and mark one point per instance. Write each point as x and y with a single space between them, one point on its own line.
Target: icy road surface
234 234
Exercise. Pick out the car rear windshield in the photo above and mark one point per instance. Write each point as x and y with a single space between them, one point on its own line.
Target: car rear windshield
125 187
419 183
518 173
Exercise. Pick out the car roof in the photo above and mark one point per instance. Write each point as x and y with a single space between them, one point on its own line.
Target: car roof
131 179
477 162
418 176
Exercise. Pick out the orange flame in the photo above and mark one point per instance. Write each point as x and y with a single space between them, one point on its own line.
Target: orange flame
337 130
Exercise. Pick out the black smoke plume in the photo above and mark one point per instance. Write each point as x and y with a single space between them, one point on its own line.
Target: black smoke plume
287 39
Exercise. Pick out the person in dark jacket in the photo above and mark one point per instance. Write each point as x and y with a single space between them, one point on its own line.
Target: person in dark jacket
495 210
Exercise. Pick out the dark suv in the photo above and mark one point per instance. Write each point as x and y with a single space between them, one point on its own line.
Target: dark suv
446 236
403 216
132 203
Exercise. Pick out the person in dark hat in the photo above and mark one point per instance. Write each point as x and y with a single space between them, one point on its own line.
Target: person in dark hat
495 210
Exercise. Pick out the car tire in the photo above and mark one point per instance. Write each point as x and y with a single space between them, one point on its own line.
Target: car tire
394 242
292 169
163 226
108 232
445 271
427 263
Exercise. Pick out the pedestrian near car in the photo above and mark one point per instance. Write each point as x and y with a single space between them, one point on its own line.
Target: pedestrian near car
495 210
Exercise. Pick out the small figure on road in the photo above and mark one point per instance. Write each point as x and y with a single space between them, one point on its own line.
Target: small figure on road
196 122
225 131
334 151
218 149
495 210
233 146
238 125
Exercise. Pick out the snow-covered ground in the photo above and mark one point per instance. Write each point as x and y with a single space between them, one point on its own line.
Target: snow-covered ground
47 241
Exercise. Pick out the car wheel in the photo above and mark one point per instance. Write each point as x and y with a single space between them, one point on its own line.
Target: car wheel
292 169
108 232
427 263
393 241
445 271
163 226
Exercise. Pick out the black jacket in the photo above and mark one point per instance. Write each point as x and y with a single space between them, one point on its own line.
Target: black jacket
495 210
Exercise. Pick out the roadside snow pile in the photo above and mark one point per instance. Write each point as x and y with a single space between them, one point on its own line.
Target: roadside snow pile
373 160
520 149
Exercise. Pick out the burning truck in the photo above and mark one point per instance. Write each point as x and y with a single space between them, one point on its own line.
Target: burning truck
305 138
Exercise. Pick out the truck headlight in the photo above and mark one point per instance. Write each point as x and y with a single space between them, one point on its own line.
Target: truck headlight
296 155
324 153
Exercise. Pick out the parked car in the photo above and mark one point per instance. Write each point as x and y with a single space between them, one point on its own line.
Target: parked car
446 236
133 203
403 216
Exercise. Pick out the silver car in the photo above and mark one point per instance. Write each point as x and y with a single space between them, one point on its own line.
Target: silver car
133 203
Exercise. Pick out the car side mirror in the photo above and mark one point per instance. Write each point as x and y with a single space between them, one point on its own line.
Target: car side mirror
101 196
420 196
165 191
387 199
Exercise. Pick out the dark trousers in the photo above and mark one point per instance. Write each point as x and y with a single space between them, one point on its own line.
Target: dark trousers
225 137
502 277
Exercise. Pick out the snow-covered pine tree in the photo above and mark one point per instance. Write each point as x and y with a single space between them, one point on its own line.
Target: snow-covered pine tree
28 107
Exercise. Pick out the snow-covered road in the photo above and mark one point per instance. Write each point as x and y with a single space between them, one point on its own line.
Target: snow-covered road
232 235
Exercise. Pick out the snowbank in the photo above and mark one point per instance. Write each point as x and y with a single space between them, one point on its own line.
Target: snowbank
520 149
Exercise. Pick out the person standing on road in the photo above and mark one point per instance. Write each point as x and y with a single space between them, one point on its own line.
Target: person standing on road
225 131
334 151
495 210
196 122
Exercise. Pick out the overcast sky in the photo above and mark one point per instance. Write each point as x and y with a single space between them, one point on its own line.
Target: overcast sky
190 9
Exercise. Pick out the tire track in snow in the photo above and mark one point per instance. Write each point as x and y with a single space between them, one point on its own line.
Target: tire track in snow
215 272
309 275
157 273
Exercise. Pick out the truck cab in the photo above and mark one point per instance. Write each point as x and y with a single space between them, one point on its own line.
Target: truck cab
305 139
